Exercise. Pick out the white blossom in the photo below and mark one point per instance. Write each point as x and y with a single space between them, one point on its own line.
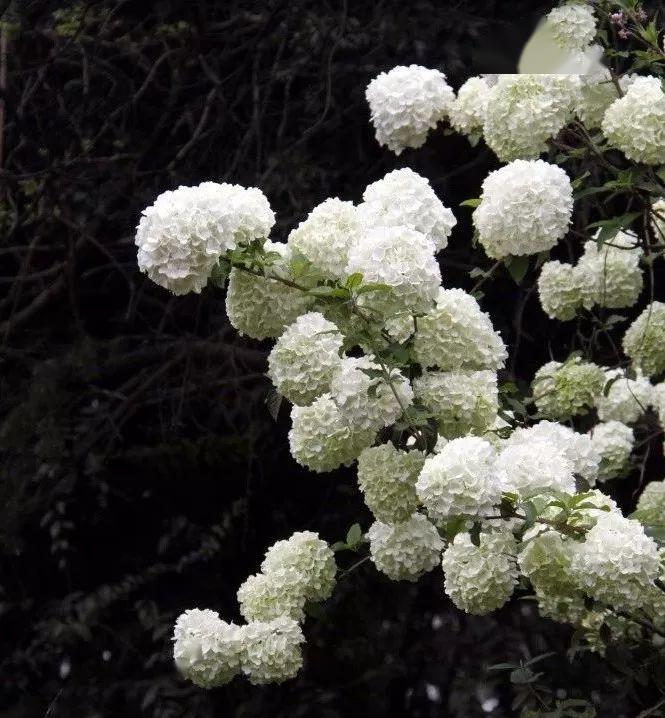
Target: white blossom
562 390
263 597
614 442
560 290
626 399
644 339
467 114
651 504
597 93
271 651
573 26
533 467
545 559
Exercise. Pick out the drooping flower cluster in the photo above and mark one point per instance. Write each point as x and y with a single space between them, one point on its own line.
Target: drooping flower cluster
573 26
645 338
614 442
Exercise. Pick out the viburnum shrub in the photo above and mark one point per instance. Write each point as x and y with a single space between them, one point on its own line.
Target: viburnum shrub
388 366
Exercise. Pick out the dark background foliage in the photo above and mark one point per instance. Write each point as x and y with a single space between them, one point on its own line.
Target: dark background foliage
142 472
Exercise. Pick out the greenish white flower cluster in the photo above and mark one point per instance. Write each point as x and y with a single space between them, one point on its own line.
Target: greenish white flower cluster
562 390
573 25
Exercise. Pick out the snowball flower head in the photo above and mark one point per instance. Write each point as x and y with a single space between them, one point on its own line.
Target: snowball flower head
644 339
459 480
524 111
545 560
573 26
525 208
365 398
651 504
462 401
560 290
569 389
626 399
321 438
614 442
405 551
634 122
262 308
263 597
456 334
401 258
305 357
406 103
535 467
325 237
387 479
205 648
271 651
467 114
616 561
405 199
183 234
480 579
597 93
312 560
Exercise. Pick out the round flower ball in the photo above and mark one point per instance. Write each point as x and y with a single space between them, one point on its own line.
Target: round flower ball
262 308
387 479
644 340
480 579
401 258
305 357
597 93
206 649
324 238
614 443
459 480
263 597
650 509
405 199
183 234
569 389
467 114
405 551
525 208
461 401
312 560
406 103
625 400
560 290
573 26
634 123
321 439
524 111
545 560
456 334
271 651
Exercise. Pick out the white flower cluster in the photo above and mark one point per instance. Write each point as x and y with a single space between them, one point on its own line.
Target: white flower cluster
573 25
524 111
459 480
561 390
183 234
265 596
480 579
644 339
545 558
462 401
387 479
651 504
271 650
634 122
405 199
625 399
456 334
406 103
468 111
405 551
597 93
260 307
560 290
614 442
525 208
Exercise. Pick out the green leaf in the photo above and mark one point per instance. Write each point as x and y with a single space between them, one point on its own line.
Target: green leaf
354 536
330 292
373 287
339 546
470 203
610 227
517 266
354 280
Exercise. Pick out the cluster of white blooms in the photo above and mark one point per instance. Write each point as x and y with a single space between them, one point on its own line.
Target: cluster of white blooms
305 357
626 399
459 480
634 122
597 93
405 199
260 307
462 401
387 479
480 579
544 559
525 208
644 340
456 334
322 439
406 103
613 441
573 26
524 111
405 551
467 114
265 596
651 504
561 390
616 561
560 290
271 650
325 237
401 258
183 234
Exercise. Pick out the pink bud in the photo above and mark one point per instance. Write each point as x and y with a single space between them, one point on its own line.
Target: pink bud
623 34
